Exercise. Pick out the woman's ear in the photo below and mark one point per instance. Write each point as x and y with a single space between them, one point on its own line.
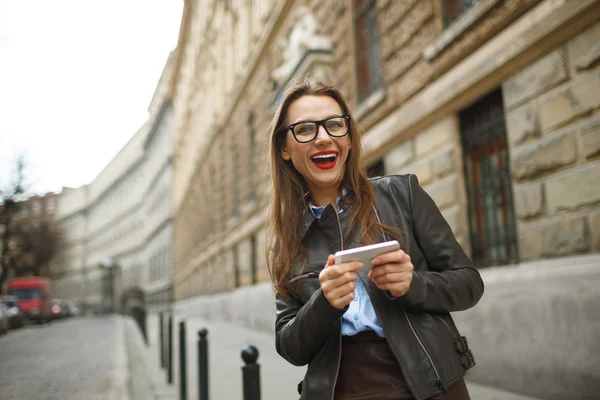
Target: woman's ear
284 153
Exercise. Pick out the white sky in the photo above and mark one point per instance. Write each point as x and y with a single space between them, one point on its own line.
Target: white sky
76 79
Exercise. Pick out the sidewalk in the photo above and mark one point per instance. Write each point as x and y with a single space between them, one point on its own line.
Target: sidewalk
147 379
225 342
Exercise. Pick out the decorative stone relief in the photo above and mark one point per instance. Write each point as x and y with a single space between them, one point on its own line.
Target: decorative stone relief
302 38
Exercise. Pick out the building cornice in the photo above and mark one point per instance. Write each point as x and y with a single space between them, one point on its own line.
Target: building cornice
535 33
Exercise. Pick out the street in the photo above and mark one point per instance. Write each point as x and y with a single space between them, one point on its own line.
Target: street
78 358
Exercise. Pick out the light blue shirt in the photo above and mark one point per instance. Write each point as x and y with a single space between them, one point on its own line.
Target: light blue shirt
360 315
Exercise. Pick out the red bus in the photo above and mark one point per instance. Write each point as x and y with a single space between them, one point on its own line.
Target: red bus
35 297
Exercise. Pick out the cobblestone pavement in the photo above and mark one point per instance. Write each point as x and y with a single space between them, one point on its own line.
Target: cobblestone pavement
76 359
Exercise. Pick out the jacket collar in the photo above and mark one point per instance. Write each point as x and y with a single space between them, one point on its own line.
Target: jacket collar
307 219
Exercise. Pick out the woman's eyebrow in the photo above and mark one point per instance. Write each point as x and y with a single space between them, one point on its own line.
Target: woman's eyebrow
315 119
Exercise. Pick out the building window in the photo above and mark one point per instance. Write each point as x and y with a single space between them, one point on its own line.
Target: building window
236 267
487 175
253 255
367 47
452 9
252 155
235 182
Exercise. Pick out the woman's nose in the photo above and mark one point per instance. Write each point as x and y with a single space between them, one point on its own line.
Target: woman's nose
322 135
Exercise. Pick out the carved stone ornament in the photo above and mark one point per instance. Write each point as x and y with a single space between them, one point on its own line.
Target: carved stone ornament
302 38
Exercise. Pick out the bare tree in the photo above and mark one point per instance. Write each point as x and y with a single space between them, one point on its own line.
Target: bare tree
38 245
9 208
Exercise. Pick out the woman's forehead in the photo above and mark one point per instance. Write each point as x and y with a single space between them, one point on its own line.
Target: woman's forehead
312 107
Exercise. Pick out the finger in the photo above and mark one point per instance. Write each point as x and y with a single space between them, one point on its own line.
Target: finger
342 290
388 268
336 296
397 288
341 280
393 278
330 260
335 271
342 302
396 256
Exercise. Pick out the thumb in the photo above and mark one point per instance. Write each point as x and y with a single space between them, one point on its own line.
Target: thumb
330 260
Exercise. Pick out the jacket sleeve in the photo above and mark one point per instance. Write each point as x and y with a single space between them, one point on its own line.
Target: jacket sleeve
450 283
301 330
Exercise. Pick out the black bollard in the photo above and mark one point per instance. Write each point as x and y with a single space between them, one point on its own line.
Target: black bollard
202 365
182 363
251 373
161 339
170 350
143 326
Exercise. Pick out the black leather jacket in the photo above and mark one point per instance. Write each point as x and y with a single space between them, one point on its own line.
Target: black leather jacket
418 326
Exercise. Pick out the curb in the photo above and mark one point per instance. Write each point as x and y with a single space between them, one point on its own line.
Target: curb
146 380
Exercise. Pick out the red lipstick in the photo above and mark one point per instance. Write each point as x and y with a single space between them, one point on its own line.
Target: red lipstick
325 159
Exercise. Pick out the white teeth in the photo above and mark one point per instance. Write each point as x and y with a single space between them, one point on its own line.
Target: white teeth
333 155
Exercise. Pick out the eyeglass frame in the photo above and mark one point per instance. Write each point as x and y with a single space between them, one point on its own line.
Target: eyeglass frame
319 124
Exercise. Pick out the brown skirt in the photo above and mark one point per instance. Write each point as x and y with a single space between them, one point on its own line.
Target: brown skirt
369 371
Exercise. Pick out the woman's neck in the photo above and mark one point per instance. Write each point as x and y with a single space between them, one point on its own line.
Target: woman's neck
324 198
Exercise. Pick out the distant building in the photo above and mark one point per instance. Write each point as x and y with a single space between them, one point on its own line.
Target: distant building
118 228
34 213
493 104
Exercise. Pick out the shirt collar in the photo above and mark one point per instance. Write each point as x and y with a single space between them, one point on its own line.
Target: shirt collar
317 211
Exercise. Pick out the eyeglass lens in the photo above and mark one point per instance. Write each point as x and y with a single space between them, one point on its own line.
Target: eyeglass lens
307 131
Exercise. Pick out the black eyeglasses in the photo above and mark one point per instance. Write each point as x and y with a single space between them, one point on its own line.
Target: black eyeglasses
307 131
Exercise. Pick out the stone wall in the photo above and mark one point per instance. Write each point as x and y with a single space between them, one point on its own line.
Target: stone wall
435 157
553 125
534 331
220 178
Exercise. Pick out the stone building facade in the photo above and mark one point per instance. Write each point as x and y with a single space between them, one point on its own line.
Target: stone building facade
494 106
118 228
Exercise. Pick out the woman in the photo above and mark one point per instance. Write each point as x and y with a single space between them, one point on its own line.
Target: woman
379 334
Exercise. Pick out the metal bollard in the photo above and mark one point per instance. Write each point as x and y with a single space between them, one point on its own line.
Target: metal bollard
170 350
202 365
251 373
161 339
182 363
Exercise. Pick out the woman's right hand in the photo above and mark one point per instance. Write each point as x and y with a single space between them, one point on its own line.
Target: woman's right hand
339 281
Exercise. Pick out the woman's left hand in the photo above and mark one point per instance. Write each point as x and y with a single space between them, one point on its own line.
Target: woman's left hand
392 271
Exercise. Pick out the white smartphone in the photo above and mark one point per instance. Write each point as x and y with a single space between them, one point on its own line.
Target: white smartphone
365 254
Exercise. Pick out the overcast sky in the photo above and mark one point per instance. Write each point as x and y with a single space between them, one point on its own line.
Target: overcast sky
76 78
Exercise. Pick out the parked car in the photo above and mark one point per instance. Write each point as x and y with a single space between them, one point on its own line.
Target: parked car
35 297
16 318
70 308
3 319
58 309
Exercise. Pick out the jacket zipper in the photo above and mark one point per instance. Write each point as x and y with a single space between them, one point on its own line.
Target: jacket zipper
310 274
412 328
337 369
441 319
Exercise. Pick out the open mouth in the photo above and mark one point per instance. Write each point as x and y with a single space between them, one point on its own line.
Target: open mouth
325 159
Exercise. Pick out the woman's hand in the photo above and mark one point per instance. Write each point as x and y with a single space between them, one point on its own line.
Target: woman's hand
338 282
392 271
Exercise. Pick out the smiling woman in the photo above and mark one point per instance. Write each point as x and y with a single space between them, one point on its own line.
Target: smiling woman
317 148
382 333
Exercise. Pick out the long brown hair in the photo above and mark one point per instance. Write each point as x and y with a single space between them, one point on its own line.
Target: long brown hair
288 199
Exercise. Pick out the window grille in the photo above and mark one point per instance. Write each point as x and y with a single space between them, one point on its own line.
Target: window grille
236 267
487 175
254 266
235 181
252 155
452 9
367 47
